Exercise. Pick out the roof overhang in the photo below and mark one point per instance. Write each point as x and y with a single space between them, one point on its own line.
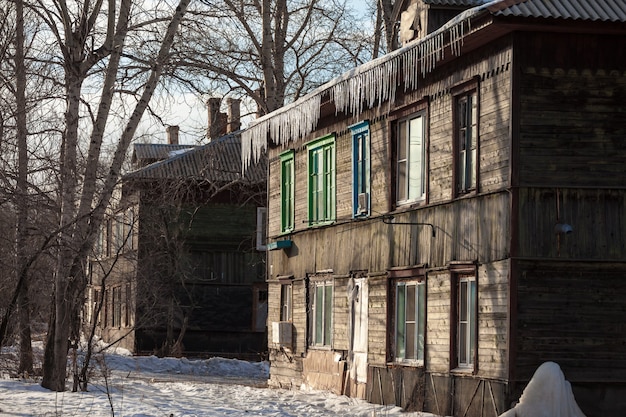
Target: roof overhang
375 83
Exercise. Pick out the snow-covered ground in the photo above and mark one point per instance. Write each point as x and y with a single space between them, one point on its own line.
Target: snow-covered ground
154 387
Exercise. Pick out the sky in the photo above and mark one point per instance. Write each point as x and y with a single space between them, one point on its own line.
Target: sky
188 112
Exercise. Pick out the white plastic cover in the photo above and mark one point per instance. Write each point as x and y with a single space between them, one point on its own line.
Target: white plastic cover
547 394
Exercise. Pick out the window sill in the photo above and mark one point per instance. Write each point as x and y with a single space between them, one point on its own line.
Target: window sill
463 370
465 194
320 347
401 205
320 224
407 364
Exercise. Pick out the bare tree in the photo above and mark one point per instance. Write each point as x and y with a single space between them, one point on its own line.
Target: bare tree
272 51
16 192
91 40
387 22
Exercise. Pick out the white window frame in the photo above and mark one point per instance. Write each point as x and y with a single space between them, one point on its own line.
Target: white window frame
466 131
286 302
466 321
404 315
321 319
411 158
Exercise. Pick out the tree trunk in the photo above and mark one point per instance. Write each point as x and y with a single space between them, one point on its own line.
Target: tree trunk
26 350
391 32
76 241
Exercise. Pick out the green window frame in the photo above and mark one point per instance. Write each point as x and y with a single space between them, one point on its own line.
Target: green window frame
411 161
466 116
321 313
321 190
287 191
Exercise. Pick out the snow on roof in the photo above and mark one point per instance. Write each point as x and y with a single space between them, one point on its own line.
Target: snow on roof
376 81
219 160
370 83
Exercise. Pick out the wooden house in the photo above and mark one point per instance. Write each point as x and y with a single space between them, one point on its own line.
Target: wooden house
444 219
179 268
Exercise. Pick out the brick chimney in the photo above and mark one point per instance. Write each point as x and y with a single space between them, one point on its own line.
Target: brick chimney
172 135
233 115
216 120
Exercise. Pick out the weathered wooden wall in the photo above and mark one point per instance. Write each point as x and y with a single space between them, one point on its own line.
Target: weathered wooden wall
475 228
569 288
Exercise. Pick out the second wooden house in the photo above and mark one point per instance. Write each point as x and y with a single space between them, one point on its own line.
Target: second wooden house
179 268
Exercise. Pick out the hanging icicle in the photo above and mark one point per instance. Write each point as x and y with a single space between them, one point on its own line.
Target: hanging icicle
356 90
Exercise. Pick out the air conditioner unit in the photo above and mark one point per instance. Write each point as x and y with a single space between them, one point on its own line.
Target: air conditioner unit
362 203
282 333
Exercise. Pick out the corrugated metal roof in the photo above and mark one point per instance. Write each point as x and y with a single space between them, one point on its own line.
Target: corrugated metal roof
593 10
217 161
155 151
460 3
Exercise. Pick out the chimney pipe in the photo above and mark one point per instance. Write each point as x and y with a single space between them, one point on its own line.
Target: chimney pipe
214 127
172 135
234 115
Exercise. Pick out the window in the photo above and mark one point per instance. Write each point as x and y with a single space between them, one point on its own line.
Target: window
466 322
97 311
466 116
232 267
411 159
106 308
117 307
286 294
287 207
259 315
360 169
100 243
261 228
321 312
410 320
129 221
127 306
322 181
119 232
464 332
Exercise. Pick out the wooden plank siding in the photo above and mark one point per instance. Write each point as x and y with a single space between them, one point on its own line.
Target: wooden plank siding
441 230
569 288
572 123
572 314
551 150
